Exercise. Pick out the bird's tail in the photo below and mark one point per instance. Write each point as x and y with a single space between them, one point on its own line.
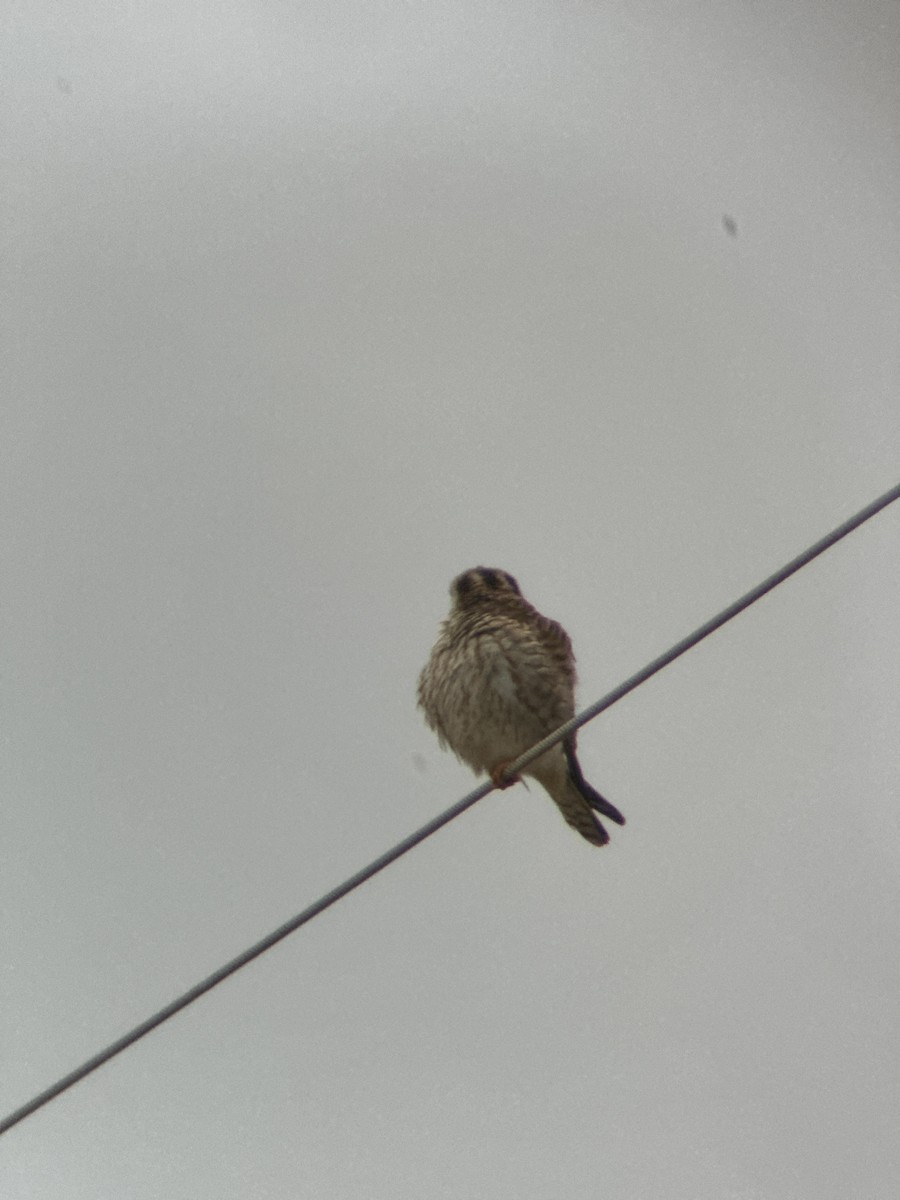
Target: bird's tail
580 802
593 797
579 813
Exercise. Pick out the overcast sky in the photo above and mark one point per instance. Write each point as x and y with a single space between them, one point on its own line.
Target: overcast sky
307 307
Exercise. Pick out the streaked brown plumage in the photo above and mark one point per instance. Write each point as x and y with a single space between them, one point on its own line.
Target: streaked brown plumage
500 677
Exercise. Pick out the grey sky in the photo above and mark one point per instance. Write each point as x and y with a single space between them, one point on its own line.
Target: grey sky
306 308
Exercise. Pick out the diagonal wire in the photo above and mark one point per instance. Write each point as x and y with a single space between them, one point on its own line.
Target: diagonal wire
443 818
704 630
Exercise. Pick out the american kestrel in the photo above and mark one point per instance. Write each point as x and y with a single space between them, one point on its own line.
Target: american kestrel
501 677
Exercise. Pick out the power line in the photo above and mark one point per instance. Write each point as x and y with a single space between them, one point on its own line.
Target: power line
703 631
455 810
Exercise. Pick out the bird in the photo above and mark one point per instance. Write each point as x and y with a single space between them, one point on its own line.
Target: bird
500 677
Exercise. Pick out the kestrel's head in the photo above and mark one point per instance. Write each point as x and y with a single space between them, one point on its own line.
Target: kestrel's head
480 584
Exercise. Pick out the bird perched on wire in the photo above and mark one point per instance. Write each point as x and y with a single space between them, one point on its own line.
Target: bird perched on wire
500 677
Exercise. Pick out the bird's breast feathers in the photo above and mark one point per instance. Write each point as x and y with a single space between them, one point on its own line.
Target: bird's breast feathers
475 694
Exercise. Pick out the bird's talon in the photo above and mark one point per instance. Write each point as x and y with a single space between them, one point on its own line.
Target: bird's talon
500 779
